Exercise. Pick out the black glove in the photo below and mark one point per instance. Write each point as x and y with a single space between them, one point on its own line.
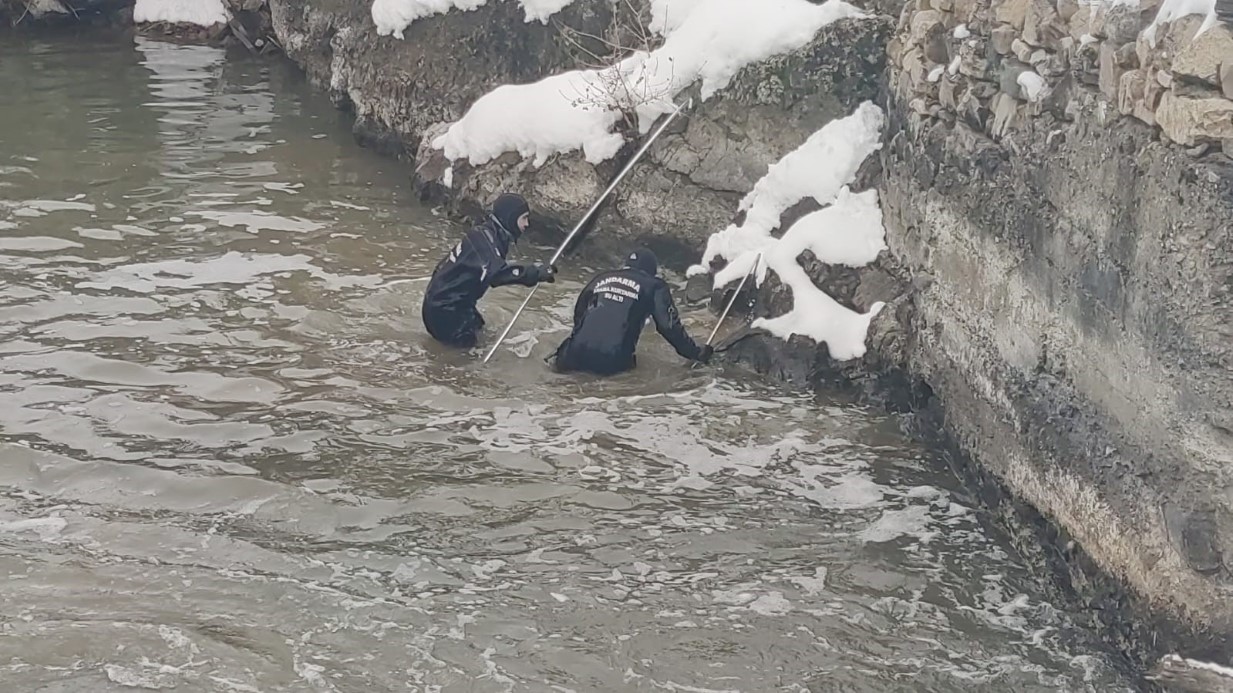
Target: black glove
704 354
542 273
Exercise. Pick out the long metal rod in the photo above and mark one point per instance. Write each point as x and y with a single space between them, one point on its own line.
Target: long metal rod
732 301
560 251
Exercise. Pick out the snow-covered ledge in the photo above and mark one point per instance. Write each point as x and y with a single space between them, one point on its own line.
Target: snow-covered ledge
203 13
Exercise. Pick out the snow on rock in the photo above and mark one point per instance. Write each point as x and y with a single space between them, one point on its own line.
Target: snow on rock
536 120
1176 9
394 16
819 168
707 40
712 40
199 12
848 231
1033 85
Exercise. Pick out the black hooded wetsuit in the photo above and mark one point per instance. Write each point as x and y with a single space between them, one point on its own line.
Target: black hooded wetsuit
609 316
475 265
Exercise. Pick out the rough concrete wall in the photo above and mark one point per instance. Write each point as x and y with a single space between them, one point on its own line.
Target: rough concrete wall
405 91
1078 326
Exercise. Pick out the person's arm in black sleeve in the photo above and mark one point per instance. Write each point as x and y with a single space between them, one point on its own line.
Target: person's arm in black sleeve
525 275
668 323
501 273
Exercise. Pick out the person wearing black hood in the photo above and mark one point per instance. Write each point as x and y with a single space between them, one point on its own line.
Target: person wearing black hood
609 316
475 265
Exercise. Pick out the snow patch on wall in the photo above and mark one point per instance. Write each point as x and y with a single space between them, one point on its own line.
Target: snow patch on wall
394 16
199 12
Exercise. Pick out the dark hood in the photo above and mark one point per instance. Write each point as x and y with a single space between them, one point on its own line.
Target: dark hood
506 211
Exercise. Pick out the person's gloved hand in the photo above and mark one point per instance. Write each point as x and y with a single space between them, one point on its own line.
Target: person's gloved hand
704 354
537 273
544 273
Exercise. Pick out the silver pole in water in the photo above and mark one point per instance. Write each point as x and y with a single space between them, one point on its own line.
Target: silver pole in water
560 251
732 301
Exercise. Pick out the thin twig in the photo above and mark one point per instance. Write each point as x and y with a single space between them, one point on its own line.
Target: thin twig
23 14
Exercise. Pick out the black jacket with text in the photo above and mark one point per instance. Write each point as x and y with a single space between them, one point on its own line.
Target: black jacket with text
608 320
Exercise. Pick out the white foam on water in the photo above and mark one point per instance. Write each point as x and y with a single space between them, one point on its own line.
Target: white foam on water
811 585
911 521
771 604
47 528
37 243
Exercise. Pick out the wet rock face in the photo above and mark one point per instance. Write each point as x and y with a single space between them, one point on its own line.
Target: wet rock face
51 12
1078 328
403 93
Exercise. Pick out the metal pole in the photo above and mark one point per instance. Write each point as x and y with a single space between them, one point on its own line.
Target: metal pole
612 186
732 301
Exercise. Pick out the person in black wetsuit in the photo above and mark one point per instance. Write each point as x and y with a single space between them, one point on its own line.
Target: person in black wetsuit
609 316
475 265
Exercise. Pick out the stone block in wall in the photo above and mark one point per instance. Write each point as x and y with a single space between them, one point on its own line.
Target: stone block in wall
1130 89
983 90
973 60
1051 66
1191 120
965 10
1041 24
1012 12
1148 55
1079 21
894 51
1005 112
1226 78
1067 9
913 73
1202 57
1086 63
972 111
1021 50
1145 108
1119 23
942 5
1110 71
1008 80
1002 38
949 92
1171 38
921 24
1066 48
1127 56
905 18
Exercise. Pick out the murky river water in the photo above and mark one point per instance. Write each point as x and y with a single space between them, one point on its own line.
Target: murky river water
233 461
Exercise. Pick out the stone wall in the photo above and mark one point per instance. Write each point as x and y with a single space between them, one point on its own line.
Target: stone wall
992 66
1062 183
